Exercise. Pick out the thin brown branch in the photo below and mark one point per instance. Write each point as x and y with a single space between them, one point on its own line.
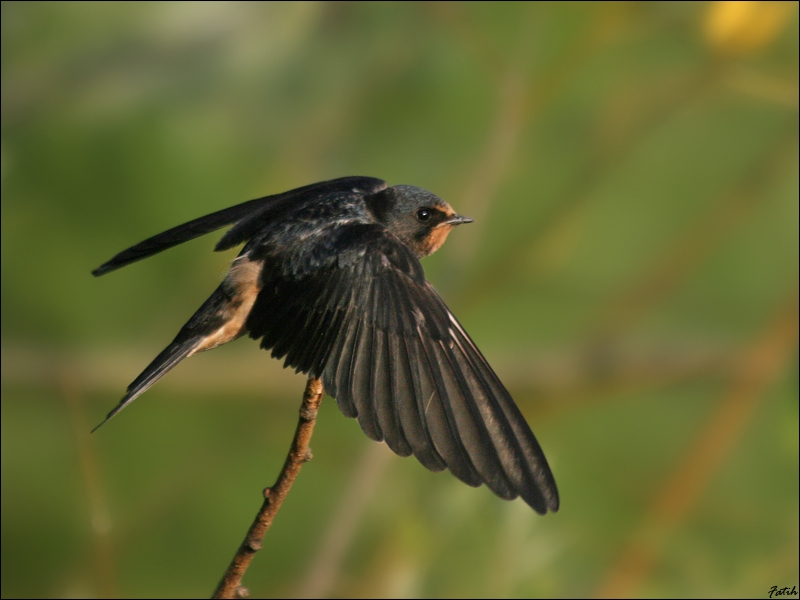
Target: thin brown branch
231 584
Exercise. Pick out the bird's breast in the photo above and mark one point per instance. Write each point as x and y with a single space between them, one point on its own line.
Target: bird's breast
242 283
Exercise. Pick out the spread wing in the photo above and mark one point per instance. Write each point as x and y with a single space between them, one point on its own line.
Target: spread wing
248 216
394 357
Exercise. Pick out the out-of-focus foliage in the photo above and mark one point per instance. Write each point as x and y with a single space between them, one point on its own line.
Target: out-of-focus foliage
632 274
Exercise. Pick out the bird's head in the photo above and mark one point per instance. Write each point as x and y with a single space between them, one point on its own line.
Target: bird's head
419 218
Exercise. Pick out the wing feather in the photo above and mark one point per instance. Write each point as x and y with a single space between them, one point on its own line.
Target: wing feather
438 414
396 359
249 218
383 395
467 397
345 368
523 458
361 384
409 405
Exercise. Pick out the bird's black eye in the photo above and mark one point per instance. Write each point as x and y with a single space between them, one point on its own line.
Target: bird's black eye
423 214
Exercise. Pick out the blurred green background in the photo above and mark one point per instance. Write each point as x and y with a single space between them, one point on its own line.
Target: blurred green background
632 275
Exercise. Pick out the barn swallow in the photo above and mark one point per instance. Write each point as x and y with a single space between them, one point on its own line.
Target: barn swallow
330 279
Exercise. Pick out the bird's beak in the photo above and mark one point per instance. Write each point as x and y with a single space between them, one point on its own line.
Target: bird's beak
457 220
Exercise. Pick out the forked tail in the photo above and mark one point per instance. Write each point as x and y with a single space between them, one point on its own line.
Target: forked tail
169 357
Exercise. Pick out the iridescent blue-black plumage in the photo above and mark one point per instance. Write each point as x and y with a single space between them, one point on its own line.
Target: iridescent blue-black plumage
329 280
